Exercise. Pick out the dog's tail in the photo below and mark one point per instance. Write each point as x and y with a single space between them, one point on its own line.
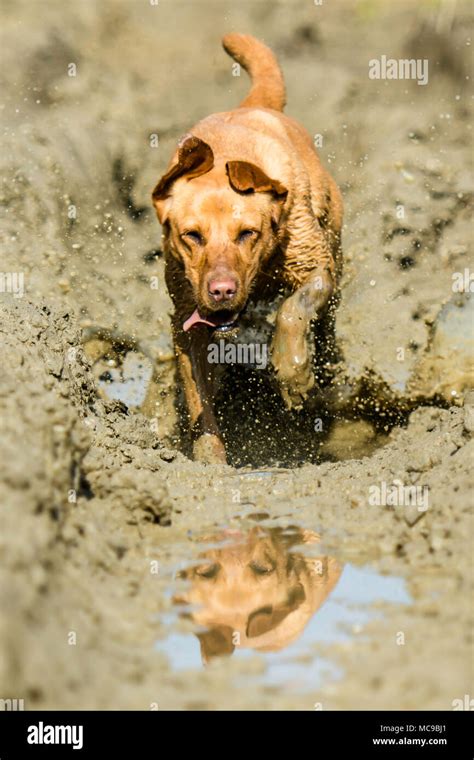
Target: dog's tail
268 86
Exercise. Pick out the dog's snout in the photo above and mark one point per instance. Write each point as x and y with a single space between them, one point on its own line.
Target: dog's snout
222 289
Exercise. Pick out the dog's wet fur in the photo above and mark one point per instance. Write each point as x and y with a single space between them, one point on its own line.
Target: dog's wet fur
247 212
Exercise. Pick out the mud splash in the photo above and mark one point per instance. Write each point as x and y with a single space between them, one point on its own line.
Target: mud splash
262 436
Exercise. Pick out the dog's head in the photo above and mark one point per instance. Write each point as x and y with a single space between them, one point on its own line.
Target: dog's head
256 587
221 221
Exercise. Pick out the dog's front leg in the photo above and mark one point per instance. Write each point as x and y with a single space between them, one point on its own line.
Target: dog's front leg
198 380
291 356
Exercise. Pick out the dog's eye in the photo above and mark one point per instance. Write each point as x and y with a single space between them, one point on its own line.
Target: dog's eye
262 568
246 235
194 236
208 571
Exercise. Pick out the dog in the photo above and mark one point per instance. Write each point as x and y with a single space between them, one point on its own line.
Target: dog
247 211
256 591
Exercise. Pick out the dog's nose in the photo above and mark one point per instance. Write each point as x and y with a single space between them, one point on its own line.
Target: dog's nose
223 289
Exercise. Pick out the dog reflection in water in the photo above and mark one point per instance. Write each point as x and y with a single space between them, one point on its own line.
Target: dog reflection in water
258 591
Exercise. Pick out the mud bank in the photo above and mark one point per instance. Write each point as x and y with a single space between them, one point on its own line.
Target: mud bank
101 509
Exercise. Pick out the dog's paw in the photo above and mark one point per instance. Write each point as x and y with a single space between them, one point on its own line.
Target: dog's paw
209 449
294 373
294 391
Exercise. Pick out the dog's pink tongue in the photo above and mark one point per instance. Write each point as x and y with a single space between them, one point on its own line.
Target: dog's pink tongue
196 319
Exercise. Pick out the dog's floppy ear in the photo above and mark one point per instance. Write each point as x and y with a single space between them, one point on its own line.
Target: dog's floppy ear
195 157
216 642
247 178
267 618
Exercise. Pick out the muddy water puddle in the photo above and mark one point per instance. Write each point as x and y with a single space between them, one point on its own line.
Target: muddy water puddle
271 594
124 379
268 597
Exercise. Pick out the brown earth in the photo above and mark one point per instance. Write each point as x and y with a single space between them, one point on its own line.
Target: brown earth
92 492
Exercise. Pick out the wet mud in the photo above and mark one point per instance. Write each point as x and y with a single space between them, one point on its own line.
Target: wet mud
330 563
